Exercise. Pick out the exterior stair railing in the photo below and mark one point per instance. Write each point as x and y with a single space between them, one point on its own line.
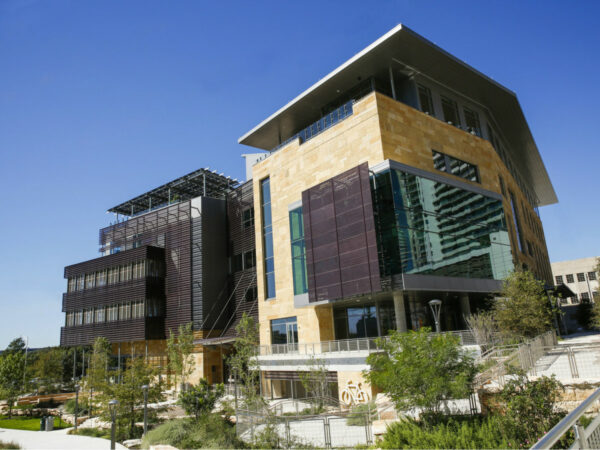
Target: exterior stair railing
585 438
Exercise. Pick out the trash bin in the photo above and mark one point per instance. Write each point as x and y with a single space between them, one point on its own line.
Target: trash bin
42 423
49 423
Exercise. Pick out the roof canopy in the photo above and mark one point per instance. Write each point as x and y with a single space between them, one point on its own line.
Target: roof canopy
202 182
403 48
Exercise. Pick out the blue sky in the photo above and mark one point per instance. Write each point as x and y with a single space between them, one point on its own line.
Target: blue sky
102 100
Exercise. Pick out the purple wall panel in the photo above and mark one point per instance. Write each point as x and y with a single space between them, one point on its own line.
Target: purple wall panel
339 230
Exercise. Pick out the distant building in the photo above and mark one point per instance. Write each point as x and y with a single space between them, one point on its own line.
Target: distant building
580 276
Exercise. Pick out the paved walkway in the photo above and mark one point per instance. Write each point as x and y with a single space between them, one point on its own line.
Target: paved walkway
52 440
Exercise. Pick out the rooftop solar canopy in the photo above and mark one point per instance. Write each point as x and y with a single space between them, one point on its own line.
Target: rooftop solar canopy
402 46
202 182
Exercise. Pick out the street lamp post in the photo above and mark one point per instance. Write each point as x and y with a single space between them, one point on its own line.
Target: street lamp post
112 405
436 306
145 389
76 404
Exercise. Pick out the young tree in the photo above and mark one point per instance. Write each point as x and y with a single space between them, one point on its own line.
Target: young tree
130 395
421 369
179 351
315 382
98 372
523 309
12 371
201 399
484 328
242 362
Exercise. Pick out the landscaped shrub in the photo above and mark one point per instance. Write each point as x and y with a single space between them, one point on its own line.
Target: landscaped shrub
209 431
9 445
92 432
469 432
82 406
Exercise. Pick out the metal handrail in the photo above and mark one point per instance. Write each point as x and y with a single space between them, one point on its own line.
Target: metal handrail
570 420
343 345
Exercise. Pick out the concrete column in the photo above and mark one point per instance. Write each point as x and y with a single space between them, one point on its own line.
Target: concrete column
465 308
400 311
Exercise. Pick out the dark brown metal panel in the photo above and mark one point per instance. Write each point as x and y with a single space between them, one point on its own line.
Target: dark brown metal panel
118 331
339 230
124 257
126 291
168 228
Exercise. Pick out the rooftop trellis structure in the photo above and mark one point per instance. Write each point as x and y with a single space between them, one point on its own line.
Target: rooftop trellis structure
202 182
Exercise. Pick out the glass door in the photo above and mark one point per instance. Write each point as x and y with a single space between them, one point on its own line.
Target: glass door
291 329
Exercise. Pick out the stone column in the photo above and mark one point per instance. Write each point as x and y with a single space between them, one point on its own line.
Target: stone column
400 311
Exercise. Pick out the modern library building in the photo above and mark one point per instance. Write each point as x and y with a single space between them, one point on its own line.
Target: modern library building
403 176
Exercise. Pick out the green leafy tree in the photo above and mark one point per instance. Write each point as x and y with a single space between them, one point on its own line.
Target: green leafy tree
16 346
201 399
46 368
243 362
12 371
523 309
130 395
179 351
421 369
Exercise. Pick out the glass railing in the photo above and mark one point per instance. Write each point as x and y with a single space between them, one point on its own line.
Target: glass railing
320 125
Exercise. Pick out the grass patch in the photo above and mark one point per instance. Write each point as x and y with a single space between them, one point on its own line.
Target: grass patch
210 431
4 444
29 423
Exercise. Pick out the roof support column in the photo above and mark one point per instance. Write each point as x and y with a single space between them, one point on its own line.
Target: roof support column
392 83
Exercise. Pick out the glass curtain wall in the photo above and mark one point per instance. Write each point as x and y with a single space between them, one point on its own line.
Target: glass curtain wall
371 320
430 227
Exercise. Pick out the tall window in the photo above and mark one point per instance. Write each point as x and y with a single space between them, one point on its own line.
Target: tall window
248 217
125 311
502 187
591 275
89 315
137 310
101 278
111 313
299 274
472 121
90 280
100 314
515 215
450 109
268 239
559 279
425 99
580 276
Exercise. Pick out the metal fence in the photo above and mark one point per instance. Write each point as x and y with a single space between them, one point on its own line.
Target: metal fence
333 428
